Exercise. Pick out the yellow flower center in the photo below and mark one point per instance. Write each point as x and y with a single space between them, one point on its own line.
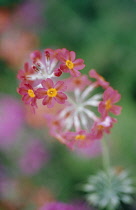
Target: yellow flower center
102 78
52 92
69 64
31 93
80 137
108 104
100 127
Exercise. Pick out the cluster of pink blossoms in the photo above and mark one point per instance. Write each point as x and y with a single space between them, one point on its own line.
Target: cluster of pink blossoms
82 117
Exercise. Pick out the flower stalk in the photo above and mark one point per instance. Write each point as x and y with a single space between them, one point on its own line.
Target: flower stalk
105 155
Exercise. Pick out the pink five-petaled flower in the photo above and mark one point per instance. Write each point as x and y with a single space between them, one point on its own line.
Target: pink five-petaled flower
77 82
23 74
28 93
100 80
101 126
110 97
51 93
69 64
80 139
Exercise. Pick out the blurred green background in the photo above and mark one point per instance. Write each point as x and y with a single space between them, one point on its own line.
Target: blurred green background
103 33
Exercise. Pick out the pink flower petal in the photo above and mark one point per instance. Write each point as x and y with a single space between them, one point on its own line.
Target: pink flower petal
107 93
80 67
93 73
115 96
116 109
60 98
64 68
60 86
101 108
26 98
72 56
40 93
46 100
22 91
62 57
47 84
79 64
51 103
74 72
33 102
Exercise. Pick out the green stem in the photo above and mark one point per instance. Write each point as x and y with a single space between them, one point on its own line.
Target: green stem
106 163
105 155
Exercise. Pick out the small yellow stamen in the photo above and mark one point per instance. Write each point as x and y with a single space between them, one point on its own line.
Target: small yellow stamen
80 137
69 64
102 78
31 93
100 127
108 104
52 92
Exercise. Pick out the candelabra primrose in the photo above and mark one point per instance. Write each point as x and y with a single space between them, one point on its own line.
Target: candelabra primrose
82 117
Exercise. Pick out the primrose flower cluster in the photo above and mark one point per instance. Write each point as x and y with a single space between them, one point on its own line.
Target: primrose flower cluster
81 117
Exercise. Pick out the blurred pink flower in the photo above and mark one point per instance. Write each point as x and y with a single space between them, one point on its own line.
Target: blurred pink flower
11 120
33 158
32 9
24 40
64 206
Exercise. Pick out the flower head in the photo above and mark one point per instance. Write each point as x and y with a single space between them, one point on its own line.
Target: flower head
82 116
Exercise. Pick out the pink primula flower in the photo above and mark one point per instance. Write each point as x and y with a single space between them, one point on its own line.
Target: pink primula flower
34 157
22 74
100 80
101 126
77 82
80 139
28 93
51 93
110 97
69 64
